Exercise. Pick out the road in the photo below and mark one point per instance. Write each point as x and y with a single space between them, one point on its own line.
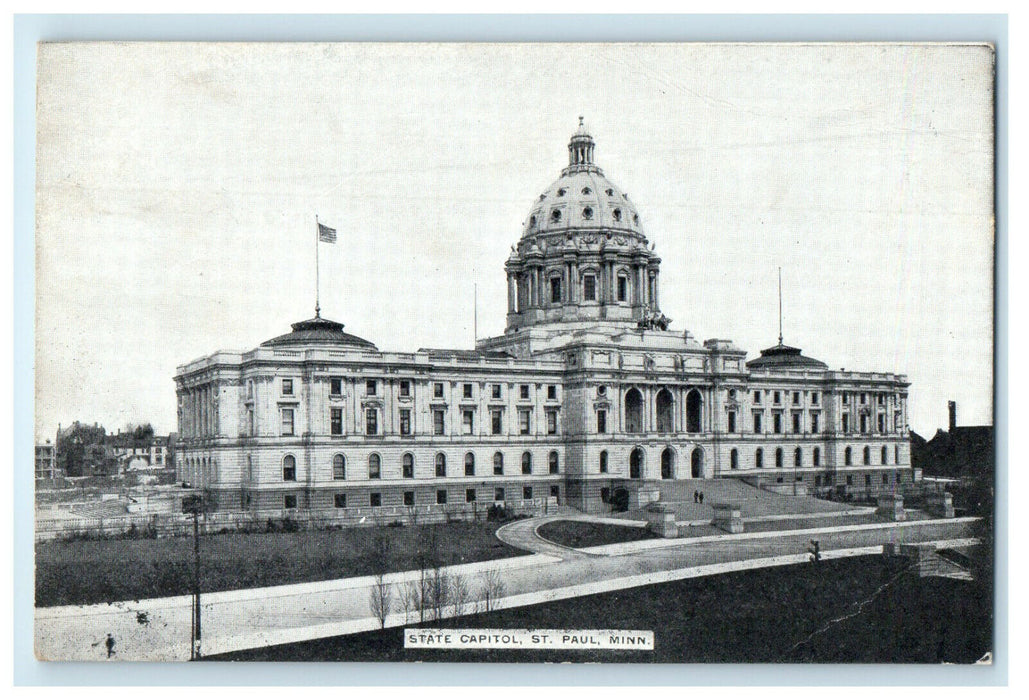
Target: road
159 629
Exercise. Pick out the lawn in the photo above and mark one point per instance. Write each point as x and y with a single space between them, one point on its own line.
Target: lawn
578 533
758 616
109 570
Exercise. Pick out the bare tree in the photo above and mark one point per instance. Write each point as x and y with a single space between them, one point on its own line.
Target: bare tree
491 588
439 591
412 600
381 597
460 595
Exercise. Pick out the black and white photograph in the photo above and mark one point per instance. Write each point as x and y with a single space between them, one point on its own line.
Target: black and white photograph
645 353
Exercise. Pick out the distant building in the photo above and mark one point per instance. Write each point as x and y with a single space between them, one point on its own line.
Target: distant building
133 454
46 462
959 451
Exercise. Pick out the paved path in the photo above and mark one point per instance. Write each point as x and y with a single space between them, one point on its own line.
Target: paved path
159 629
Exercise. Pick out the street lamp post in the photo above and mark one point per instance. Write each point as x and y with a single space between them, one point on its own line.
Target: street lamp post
194 504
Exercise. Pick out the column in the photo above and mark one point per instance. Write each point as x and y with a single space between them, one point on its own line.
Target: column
512 289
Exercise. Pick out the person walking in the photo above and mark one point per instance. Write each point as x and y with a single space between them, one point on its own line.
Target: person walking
701 497
696 496
110 645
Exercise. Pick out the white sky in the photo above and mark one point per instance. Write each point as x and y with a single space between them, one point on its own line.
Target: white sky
178 183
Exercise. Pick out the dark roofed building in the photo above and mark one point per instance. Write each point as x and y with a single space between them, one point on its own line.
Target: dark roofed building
959 451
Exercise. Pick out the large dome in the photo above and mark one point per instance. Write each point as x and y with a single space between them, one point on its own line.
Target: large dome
582 197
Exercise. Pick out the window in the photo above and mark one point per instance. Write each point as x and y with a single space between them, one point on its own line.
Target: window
469 464
335 386
467 422
551 422
776 397
441 497
732 421
734 459
601 390
555 491
374 466
289 501
405 388
757 396
405 421
250 420
883 456
796 422
466 391
850 479
814 422
605 495
814 398
846 398
408 498
339 500
896 454
469 496
886 479
336 421
339 467
759 458
437 390
589 288
864 423
603 462
601 421
370 387
375 499
526 463
868 479
866 456
623 288
498 463
816 457
881 422
287 387
527 493
523 392
796 398
778 458
864 399
847 457
287 421
777 423
495 391
250 388
496 422
437 422
757 422
523 421
371 421
882 399
551 392
555 290
441 464
797 457
289 468
407 465
845 423
553 462
498 493
633 411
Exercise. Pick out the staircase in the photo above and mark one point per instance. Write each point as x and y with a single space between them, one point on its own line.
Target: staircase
753 502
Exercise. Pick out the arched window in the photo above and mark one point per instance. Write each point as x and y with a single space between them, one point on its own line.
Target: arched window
778 458
667 463
847 457
797 457
603 461
374 466
759 458
552 462
665 411
469 464
441 464
697 463
633 411
498 464
693 405
883 456
636 464
407 465
289 468
816 457
734 459
339 467
526 463
866 456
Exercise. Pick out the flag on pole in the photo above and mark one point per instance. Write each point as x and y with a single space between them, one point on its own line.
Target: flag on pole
326 234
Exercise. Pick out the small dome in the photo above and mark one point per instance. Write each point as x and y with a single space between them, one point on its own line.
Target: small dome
784 357
319 331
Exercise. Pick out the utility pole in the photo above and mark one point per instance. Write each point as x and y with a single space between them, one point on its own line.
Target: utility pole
194 504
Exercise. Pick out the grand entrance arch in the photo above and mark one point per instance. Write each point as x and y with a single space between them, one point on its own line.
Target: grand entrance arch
633 411
665 408
668 463
697 463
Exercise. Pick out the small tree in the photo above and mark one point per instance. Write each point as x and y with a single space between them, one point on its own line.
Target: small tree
381 599
491 588
411 598
460 595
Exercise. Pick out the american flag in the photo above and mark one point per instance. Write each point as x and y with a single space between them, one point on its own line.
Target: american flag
326 234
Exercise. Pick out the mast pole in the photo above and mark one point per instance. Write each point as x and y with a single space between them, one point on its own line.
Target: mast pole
317 237
780 306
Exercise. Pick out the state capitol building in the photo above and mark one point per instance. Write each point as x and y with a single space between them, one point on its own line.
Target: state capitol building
587 397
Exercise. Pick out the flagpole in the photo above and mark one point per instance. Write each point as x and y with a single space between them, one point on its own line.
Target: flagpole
317 238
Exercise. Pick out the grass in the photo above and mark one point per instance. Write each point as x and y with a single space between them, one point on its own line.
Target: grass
81 572
577 533
763 615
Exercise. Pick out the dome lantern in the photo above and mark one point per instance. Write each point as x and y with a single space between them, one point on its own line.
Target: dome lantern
580 150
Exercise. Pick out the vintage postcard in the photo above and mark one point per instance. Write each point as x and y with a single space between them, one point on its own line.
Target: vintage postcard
647 353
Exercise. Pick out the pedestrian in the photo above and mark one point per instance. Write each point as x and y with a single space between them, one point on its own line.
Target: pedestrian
702 497
110 645
696 497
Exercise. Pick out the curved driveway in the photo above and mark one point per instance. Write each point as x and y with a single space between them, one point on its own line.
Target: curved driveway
524 535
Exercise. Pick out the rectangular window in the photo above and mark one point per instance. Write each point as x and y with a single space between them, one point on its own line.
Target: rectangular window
405 388
850 479
601 421
864 423
437 390
868 479
408 498
527 493
370 387
814 422
289 473
441 497
250 421
551 392
882 423
523 421
551 422
796 398
757 397
467 422
555 290
523 392
623 288
467 391
864 399
289 501
495 391
335 386
250 388
287 387
796 422
555 491
814 398
882 399
469 496
375 499
498 493
371 422
886 479
287 421
437 422
405 421
732 421
339 500
777 423
846 398
757 422
776 397
589 288
336 421
603 462
845 423
496 422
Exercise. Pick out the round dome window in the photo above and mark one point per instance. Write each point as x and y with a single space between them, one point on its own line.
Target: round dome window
561 192
555 215
587 190
617 214
610 192
532 221
587 213
635 218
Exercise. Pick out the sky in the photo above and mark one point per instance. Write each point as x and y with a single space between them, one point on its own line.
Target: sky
178 184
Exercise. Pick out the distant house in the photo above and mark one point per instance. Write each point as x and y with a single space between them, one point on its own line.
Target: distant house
134 454
46 462
957 452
